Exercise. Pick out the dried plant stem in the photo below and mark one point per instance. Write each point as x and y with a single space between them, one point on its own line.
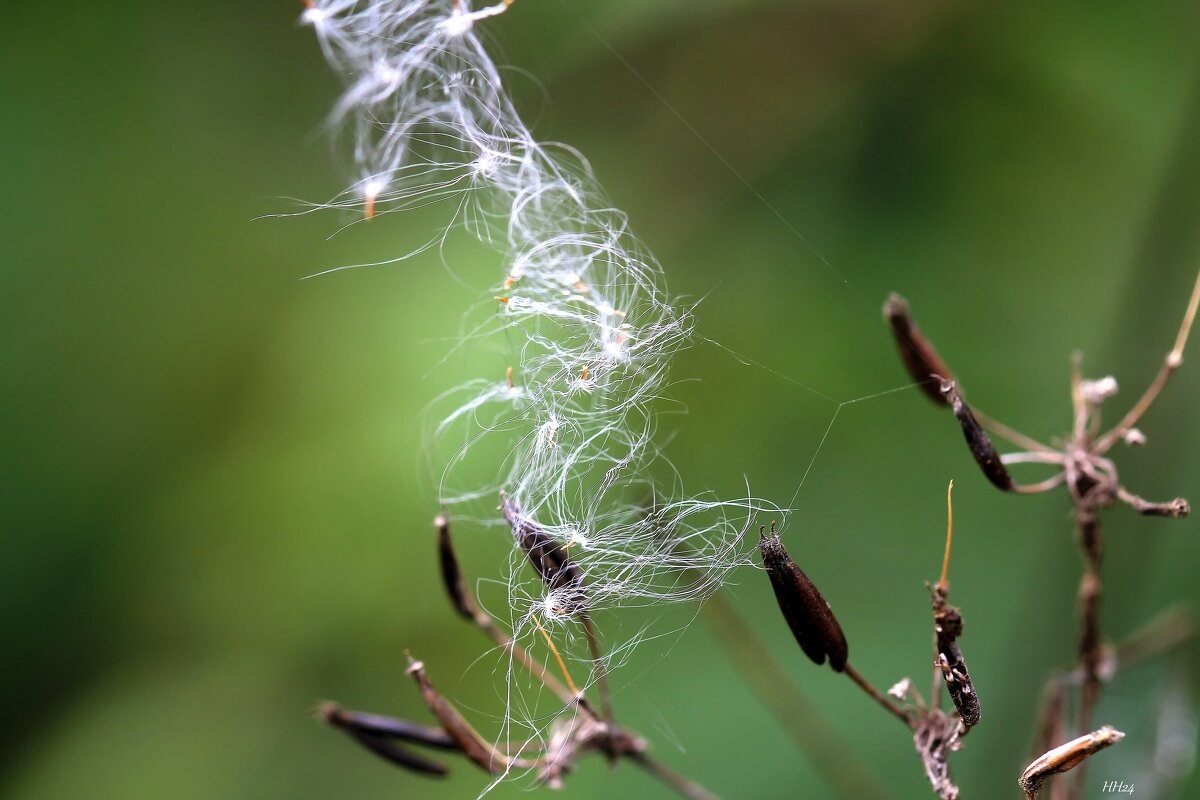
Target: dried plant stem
538 670
835 759
1010 435
1090 641
601 670
1171 363
683 786
878 696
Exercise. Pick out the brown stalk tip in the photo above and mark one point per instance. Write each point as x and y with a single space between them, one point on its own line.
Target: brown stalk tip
1066 757
982 449
452 578
804 608
921 361
464 737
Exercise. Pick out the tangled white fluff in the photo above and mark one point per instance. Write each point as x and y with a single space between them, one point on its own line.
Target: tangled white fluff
582 301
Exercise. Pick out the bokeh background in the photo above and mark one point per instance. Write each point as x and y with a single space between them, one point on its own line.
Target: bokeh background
215 502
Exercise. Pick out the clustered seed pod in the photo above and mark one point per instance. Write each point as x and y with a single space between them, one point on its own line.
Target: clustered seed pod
1066 757
804 608
379 734
948 626
919 357
549 559
981 446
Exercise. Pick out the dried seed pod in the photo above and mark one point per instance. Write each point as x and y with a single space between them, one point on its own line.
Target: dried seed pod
918 355
948 626
981 446
451 574
379 743
386 727
1066 757
466 738
804 608
550 561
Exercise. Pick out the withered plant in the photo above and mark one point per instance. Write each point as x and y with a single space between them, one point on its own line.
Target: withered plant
578 731
1082 463
936 733
592 330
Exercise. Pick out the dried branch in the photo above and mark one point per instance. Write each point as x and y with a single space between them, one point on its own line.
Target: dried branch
469 609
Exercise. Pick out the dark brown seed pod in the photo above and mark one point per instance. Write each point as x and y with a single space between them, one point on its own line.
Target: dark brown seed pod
386 727
804 608
385 748
981 446
549 559
451 574
918 355
948 626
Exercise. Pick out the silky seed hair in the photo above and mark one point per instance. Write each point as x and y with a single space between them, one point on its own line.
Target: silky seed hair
566 428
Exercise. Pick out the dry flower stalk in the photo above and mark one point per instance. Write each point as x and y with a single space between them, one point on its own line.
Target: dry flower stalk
576 733
935 733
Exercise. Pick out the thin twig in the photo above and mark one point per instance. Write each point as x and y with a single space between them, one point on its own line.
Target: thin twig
601 669
835 759
879 696
1171 363
685 787
1012 436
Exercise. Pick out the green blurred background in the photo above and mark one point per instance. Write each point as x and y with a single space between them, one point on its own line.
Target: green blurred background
215 503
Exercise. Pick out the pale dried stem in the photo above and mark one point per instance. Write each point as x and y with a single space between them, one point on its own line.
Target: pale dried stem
1171 363
838 763
1008 434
